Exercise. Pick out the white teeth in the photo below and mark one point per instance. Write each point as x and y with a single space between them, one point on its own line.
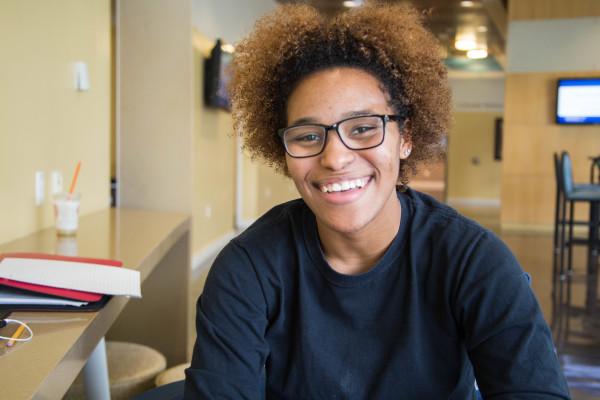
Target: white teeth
344 185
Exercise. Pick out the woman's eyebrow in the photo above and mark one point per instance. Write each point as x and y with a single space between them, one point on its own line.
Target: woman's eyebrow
312 120
304 120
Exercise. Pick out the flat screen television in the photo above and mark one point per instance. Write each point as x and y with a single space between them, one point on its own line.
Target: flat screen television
217 76
578 101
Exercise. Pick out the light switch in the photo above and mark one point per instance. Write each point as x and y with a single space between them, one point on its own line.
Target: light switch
39 188
56 182
82 78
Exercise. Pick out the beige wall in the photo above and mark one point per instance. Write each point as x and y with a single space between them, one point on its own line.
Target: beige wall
214 160
273 189
45 124
249 189
472 137
215 152
155 103
263 188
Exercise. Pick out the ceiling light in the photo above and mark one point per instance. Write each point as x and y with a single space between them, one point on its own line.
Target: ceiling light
466 38
482 28
465 42
352 3
227 48
477 54
467 3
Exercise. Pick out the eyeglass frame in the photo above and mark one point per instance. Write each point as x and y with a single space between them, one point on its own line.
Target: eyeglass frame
385 118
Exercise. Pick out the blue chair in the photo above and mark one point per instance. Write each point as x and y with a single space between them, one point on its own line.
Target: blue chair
573 193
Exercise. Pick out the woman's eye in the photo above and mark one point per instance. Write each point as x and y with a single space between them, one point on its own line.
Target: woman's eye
361 130
307 138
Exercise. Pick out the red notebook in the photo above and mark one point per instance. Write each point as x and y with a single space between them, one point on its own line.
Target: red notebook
54 291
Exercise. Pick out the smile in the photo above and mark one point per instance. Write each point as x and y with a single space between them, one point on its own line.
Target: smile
343 186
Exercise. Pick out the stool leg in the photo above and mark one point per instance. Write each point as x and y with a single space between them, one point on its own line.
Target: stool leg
556 253
95 374
562 240
570 239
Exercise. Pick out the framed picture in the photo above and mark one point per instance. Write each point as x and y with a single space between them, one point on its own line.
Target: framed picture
498 127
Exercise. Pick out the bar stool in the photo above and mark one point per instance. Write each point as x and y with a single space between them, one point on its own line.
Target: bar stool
132 369
572 193
595 170
567 194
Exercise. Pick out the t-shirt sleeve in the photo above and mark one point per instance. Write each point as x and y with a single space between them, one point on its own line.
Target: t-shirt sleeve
231 320
507 339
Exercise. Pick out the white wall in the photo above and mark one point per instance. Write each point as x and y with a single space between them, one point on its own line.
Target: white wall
478 94
558 44
229 20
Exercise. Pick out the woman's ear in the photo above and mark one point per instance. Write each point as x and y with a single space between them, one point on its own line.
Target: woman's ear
405 140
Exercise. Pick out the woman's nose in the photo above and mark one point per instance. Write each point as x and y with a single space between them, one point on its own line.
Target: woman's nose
336 155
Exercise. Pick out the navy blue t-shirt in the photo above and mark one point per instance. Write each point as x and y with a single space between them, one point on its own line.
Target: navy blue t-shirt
447 303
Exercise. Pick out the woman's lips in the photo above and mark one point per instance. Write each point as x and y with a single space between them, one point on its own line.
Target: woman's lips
342 192
344 185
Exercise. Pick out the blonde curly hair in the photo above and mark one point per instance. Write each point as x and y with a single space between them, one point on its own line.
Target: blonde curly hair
388 41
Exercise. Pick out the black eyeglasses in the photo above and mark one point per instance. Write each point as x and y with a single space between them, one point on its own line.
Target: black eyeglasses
356 133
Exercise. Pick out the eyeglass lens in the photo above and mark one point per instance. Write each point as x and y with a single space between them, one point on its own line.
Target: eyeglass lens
356 133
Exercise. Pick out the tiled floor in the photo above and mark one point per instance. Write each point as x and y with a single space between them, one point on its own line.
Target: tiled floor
577 334
576 331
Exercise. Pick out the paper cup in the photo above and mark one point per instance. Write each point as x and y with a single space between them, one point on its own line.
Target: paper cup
66 213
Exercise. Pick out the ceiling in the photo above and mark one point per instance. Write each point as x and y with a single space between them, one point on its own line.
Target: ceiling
449 20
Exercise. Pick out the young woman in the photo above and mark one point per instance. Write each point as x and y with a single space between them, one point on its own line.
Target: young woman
364 288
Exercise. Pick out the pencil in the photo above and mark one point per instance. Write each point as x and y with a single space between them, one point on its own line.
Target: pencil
15 335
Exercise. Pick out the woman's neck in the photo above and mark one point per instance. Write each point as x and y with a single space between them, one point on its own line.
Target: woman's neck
357 252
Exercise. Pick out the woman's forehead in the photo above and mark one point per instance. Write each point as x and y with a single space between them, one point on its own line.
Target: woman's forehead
336 91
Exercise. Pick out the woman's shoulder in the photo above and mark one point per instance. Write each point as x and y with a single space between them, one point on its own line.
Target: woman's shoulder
263 243
432 215
275 222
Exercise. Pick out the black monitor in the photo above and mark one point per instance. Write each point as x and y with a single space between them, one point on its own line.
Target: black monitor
578 101
216 77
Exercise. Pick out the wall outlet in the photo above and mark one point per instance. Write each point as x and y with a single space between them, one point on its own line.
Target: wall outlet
39 188
56 182
208 211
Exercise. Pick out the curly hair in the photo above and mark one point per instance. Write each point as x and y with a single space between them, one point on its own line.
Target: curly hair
388 41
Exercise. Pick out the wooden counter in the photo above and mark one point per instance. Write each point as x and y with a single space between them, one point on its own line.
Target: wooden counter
156 244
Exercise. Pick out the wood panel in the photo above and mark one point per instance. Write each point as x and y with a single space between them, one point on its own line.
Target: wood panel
472 171
530 138
552 9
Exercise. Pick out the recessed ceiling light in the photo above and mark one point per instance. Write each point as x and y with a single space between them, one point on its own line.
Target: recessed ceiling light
352 3
477 54
465 44
227 48
467 3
